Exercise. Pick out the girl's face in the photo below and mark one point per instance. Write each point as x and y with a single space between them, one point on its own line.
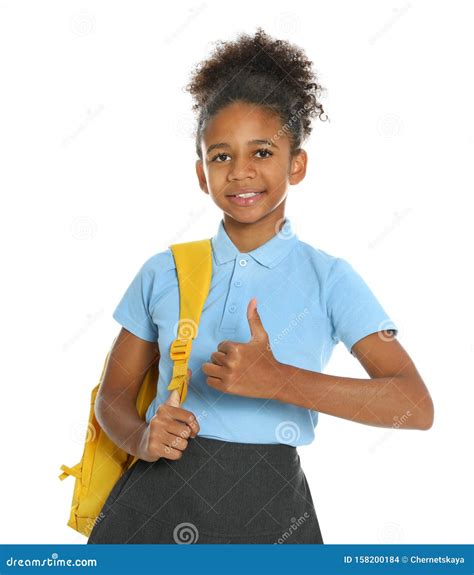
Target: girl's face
244 150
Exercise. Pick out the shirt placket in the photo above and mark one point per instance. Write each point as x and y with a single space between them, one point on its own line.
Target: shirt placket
235 297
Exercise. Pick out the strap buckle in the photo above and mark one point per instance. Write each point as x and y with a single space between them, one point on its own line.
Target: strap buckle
180 349
180 369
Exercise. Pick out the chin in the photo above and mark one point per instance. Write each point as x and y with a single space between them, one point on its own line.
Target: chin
247 217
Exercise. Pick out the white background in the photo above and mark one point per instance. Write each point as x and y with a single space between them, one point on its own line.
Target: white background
97 174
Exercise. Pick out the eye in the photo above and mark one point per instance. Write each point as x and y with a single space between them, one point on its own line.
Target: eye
265 151
215 158
220 157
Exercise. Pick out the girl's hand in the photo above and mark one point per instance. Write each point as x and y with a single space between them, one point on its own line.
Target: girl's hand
168 430
249 369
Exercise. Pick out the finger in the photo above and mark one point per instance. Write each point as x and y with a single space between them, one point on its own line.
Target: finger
168 444
213 370
226 346
173 398
171 453
175 441
195 428
219 357
180 414
180 429
257 330
214 382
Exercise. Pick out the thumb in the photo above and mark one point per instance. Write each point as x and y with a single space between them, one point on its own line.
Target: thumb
257 330
173 398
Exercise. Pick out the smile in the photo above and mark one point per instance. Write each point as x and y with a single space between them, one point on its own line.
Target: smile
246 198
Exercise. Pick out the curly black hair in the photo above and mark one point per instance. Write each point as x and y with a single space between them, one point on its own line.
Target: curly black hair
258 70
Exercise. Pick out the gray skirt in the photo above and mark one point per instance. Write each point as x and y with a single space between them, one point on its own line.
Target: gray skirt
218 492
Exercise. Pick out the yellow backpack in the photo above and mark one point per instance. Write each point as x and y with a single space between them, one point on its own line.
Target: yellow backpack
103 462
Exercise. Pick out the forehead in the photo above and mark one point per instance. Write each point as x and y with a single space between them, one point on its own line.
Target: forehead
241 120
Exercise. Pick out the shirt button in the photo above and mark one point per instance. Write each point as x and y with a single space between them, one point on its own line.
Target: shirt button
232 308
238 283
243 262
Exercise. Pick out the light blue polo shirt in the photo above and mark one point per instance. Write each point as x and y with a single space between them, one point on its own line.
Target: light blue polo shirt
307 299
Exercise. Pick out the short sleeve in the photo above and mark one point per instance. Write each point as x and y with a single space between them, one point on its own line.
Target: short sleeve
133 310
354 310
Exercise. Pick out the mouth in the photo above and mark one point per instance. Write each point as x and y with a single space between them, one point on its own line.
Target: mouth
246 197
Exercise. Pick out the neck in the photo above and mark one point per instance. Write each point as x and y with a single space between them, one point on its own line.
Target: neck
249 236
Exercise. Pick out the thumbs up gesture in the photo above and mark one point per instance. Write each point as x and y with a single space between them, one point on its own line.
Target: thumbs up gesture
249 369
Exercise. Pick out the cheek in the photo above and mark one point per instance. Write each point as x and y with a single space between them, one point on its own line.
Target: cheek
217 174
276 168
277 176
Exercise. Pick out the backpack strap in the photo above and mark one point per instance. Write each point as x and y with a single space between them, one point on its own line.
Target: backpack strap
194 269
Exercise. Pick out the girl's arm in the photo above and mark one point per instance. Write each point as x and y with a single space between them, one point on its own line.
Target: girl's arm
115 405
171 426
395 396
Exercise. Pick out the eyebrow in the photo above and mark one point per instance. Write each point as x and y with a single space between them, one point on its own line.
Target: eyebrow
249 143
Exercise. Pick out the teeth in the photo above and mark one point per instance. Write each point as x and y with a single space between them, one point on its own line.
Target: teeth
249 195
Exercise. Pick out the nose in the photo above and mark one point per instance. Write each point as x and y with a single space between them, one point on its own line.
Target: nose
241 169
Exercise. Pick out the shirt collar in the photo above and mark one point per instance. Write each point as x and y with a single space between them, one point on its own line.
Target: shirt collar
268 254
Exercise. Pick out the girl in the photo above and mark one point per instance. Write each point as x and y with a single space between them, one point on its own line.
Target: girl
224 467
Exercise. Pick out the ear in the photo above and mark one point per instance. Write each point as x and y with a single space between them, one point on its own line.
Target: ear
201 176
298 167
